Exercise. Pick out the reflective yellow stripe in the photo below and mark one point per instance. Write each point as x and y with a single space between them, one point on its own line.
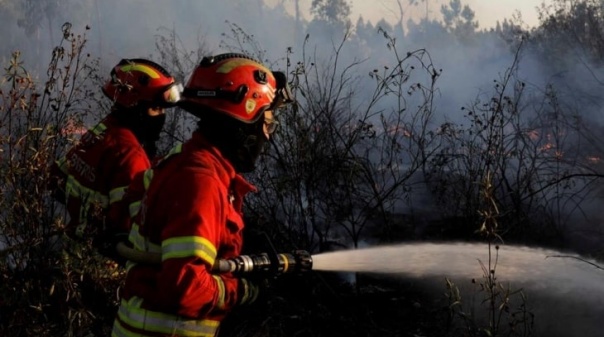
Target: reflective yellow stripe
140 243
129 265
98 129
221 291
147 177
228 66
175 150
132 314
87 195
120 331
186 246
117 194
246 291
134 208
142 68
62 164
249 295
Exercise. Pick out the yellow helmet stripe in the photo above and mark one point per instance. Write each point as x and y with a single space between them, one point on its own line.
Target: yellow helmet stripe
228 66
142 68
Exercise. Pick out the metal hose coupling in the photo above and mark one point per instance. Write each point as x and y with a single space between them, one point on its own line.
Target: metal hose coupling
263 263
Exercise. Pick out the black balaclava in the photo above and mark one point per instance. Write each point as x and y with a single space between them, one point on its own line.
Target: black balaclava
146 128
239 142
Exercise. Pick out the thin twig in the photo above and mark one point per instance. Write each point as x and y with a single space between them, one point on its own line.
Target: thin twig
577 258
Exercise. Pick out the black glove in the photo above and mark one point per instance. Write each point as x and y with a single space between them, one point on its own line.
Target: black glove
108 246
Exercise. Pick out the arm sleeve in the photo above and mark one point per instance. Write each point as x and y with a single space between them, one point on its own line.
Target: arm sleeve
130 163
189 249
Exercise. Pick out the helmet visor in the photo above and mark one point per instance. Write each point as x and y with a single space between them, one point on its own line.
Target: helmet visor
284 94
172 95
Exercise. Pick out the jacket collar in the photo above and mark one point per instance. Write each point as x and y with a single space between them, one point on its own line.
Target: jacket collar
237 183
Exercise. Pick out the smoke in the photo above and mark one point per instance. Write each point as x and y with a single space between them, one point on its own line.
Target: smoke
469 63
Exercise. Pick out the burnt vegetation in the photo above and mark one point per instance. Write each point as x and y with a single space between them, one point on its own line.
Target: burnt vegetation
367 156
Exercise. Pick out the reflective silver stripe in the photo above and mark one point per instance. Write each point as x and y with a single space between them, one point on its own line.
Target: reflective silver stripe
117 194
187 246
221 291
132 314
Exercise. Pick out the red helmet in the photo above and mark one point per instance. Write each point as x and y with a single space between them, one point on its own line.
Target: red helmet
139 80
233 84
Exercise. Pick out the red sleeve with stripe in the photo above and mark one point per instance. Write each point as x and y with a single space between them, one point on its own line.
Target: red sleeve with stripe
198 209
128 160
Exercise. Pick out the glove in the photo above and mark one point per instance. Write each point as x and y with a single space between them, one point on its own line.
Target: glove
249 290
107 247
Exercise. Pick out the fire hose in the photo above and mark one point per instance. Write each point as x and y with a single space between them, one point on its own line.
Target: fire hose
263 263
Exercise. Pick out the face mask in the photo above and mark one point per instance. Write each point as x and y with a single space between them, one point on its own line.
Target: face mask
244 149
240 143
152 127
249 153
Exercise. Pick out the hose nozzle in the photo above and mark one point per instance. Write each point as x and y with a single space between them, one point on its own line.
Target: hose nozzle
282 263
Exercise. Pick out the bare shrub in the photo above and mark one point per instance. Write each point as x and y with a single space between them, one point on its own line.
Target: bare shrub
506 308
341 164
43 276
179 60
536 149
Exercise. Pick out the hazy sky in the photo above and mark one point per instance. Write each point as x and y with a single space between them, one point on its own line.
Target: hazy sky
488 12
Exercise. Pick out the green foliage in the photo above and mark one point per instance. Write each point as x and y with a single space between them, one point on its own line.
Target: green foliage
334 11
577 27
459 19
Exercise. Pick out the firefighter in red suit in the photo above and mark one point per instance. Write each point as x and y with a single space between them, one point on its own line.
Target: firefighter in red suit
92 177
191 212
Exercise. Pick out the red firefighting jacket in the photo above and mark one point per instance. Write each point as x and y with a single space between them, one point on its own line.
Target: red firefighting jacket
94 175
191 213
